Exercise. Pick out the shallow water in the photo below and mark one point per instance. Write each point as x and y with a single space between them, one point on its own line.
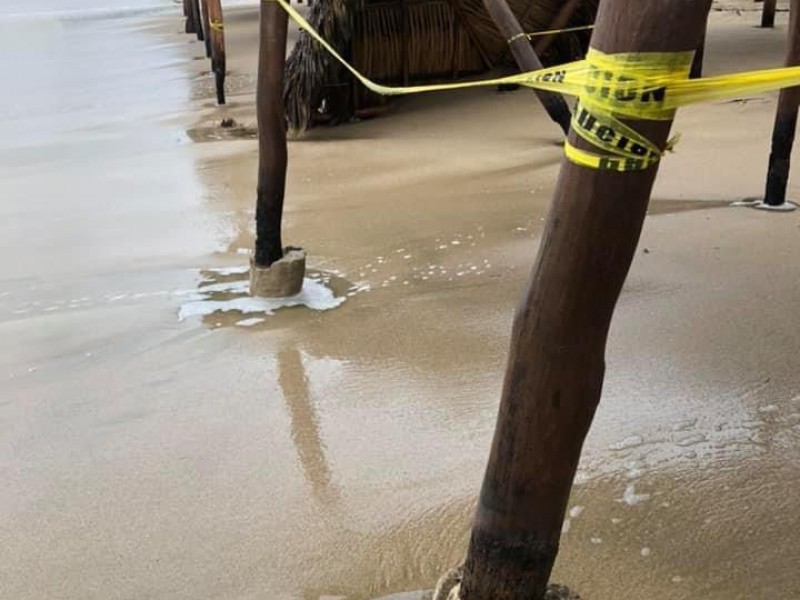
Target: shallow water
339 452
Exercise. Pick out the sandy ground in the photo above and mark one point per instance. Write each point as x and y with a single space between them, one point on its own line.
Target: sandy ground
337 454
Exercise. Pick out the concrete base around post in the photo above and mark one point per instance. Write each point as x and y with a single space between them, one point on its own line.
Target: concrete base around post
282 278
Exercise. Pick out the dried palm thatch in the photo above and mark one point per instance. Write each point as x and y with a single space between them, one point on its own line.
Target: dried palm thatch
408 41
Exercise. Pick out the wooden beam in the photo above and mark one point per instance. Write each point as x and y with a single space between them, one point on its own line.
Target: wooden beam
556 362
526 58
785 121
271 115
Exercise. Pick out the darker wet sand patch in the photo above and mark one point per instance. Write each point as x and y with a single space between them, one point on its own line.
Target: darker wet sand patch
667 206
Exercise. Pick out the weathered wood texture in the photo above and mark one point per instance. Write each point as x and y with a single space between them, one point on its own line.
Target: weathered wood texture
188 10
526 58
272 154
785 121
697 64
197 18
206 27
560 21
556 363
216 37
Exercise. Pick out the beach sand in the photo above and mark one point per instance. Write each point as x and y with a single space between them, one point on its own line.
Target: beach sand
338 453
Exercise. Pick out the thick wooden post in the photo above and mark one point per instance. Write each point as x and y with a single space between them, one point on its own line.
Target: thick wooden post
526 58
216 41
697 64
556 363
206 26
768 13
785 121
272 155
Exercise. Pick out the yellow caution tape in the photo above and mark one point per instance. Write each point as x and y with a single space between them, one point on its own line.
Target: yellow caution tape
609 87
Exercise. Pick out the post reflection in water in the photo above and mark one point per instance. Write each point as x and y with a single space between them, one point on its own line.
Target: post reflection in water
305 424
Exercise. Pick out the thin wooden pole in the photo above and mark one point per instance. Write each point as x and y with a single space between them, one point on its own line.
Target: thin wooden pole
556 363
768 13
526 58
559 22
405 41
197 15
206 25
785 121
191 22
216 42
272 153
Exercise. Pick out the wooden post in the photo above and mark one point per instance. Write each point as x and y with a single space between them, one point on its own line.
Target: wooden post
785 121
696 71
556 363
206 27
768 13
272 155
560 21
216 35
197 16
526 58
405 39
188 10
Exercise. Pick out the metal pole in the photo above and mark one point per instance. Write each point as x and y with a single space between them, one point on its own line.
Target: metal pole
556 363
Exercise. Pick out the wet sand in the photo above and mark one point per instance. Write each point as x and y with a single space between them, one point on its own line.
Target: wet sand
338 453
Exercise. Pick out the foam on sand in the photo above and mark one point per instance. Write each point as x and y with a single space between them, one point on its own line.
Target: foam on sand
314 295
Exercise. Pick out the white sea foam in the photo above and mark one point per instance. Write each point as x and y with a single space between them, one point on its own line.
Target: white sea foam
314 295
250 322
631 498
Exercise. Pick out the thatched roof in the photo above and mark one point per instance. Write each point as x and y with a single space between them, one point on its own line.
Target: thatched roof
408 41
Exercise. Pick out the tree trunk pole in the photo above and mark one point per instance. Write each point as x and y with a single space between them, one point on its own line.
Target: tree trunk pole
216 41
526 58
191 22
272 154
785 121
206 26
768 13
696 71
561 20
556 362
197 16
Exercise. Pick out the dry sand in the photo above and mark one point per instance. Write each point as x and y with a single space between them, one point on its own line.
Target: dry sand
338 454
